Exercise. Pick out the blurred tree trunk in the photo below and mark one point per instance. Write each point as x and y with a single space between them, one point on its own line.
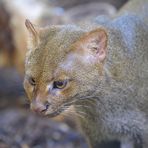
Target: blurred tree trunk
7 47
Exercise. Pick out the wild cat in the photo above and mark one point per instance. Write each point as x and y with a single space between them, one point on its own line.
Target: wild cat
100 69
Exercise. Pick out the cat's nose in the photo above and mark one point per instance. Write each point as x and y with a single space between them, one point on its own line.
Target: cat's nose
39 107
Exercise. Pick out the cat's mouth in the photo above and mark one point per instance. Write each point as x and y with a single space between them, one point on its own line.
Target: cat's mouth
55 113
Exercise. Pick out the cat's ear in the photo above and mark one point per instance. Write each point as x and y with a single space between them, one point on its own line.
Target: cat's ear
33 31
94 45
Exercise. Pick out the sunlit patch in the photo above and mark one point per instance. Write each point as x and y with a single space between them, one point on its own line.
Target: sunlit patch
72 59
69 62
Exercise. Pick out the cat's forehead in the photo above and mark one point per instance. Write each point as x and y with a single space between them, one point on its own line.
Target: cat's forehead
49 55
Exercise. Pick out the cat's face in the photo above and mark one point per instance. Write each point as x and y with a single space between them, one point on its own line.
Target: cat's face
64 69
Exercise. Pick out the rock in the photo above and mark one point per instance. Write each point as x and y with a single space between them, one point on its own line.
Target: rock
19 128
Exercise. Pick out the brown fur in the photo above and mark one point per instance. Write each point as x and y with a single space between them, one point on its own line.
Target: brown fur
103 68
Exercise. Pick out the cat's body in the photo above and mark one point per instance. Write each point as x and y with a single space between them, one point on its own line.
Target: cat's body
101 69
126 99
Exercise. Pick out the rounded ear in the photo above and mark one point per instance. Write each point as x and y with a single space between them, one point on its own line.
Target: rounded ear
94 44
33 31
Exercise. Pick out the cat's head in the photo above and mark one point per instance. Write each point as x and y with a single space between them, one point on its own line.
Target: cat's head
64 64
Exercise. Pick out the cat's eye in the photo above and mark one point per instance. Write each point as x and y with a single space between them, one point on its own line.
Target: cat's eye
59 84
32 81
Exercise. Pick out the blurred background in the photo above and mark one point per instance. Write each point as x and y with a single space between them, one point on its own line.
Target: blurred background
20 128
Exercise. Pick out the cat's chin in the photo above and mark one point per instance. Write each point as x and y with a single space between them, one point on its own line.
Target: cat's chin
51 115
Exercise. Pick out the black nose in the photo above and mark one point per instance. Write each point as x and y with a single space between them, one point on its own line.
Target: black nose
47 104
